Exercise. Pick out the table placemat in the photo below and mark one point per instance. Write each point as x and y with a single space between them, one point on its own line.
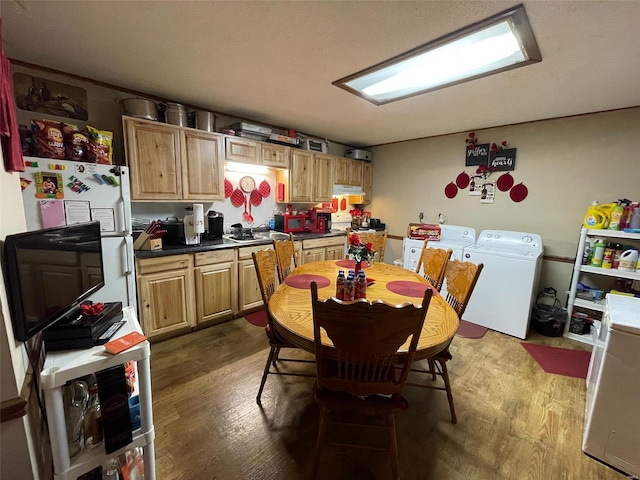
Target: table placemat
409 289
304 281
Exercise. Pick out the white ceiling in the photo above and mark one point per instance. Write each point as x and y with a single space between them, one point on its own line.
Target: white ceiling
274 61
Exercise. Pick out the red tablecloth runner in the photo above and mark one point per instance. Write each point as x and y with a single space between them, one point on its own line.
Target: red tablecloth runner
304 281
351 264
409 289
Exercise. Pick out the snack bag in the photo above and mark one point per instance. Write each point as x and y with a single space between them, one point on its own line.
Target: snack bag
48 138
100 145
75 143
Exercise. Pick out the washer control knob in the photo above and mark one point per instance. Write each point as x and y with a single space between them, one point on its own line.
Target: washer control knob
467 255
527 239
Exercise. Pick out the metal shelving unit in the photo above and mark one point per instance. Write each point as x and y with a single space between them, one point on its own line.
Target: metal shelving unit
579 269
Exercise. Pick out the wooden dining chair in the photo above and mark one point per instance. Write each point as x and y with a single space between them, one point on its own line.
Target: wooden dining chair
433 262
286 256
265 263
357 376
377 239
461 279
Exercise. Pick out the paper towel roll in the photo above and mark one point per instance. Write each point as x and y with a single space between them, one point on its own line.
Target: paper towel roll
198 217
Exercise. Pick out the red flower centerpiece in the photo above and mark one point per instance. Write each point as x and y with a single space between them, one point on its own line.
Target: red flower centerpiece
359 250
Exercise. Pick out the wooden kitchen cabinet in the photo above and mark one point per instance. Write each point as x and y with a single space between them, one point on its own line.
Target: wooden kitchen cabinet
274 155
328 248
238 149
153 157
348 171
216 281
367 183
202 166
173 163
249 290
166 294
323 177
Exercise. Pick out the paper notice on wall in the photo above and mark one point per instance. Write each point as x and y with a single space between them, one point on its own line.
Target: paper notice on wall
487 193
52 213
77 211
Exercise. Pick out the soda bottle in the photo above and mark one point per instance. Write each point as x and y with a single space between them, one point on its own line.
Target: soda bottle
340 285
361 286
349 288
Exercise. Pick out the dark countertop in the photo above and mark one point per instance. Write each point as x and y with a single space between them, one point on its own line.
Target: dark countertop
224 243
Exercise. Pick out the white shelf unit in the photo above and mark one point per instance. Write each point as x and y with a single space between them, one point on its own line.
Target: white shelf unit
579 269
60 367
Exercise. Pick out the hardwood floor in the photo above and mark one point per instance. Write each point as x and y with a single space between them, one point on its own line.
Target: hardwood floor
514 420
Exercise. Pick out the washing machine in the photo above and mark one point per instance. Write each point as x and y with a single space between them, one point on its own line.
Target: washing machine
451 236
507 287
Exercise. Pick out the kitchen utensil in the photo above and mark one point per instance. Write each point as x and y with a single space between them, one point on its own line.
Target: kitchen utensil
237 198
451 190
228 188
265 188
245 215
462 180
249 217
139 107
255 198
176 114
334 204
280 192
505 182
247 184
174 230
343 204
519 192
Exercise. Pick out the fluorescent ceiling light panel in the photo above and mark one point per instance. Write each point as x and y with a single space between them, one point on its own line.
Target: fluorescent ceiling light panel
501 42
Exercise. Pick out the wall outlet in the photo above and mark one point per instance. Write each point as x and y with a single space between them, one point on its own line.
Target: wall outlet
420 216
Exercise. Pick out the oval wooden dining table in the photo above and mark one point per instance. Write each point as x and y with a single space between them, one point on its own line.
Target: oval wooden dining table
290 305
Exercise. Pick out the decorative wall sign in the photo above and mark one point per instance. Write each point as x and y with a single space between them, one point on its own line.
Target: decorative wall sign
475 185
503 160
477 154
46 96
487 193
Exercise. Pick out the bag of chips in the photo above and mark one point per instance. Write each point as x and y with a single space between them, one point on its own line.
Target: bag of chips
48 138
75 143
99 146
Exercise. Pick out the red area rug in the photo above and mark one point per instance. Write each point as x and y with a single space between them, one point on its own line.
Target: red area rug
409 289
470 330
560 361
259 318
304 281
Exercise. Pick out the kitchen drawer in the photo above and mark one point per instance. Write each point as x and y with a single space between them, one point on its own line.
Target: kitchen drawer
161 264
244 253
323 242
217 256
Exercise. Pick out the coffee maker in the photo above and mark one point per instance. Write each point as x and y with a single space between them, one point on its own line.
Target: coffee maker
215 225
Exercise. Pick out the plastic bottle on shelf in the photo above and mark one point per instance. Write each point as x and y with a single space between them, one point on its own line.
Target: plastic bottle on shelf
340 285
607 256
617 253
635 218
598 253
595 217
616 216
93 420
586 254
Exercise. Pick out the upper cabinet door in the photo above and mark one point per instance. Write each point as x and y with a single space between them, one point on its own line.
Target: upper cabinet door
355 172
274 155
241 150
323 178
367 182
341 171
202 166
153 156
301 176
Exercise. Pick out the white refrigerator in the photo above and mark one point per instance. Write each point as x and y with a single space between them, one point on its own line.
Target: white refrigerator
612 413
61 192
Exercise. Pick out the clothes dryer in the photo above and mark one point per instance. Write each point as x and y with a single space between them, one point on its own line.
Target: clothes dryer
506 290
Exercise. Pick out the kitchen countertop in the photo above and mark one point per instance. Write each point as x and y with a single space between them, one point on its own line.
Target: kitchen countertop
224 243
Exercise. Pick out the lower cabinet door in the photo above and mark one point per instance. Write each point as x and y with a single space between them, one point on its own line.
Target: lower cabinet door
313 255
249 294
166 302
215 292
335 253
